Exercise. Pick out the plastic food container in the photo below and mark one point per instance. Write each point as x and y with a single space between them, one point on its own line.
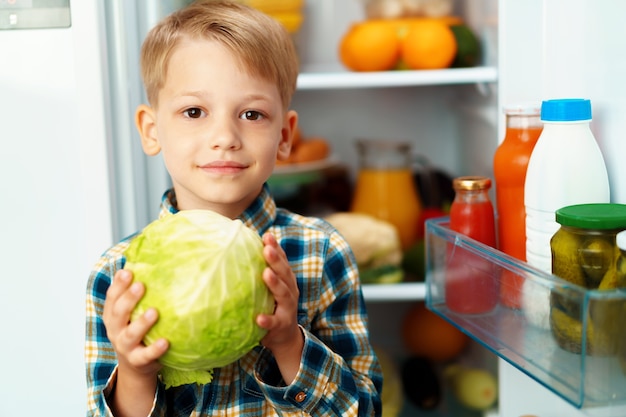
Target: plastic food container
581 379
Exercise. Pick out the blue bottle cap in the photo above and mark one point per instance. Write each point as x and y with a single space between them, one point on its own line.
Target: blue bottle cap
566 110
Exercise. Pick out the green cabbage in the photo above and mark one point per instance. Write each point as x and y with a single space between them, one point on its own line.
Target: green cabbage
203 273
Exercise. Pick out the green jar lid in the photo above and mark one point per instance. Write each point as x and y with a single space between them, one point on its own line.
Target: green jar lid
601 216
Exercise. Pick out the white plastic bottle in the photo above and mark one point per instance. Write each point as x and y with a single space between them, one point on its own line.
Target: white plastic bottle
566 167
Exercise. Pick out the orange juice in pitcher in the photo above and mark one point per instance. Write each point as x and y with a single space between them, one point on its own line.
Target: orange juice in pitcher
385 187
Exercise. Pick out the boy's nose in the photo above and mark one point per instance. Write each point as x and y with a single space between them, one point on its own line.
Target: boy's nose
224 136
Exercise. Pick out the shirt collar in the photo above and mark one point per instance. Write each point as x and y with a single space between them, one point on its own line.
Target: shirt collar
259 215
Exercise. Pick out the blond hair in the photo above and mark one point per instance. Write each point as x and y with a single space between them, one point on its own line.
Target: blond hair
259 42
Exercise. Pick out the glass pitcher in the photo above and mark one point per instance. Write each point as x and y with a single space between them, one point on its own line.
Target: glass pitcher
385 187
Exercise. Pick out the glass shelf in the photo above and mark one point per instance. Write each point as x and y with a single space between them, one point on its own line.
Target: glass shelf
563 336
335 77
405 291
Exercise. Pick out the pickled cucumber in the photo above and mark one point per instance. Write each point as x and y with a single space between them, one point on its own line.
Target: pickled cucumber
607 315
589 261
596 257
565 258
568 333
621 272
568 301
609 280
565 265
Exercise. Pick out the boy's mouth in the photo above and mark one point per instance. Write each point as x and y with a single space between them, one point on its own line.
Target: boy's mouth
223 167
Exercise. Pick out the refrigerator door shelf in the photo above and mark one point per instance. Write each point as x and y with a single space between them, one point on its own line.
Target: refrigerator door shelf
592 377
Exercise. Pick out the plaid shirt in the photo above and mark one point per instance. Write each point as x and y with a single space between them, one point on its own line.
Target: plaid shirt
339 373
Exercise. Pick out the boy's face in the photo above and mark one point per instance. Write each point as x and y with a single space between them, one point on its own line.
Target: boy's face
220 129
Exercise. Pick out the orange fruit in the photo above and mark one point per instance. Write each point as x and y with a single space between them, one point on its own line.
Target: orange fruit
370 45
426 334
428 44
403 24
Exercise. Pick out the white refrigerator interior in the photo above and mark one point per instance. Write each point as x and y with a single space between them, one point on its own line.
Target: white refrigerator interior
55 212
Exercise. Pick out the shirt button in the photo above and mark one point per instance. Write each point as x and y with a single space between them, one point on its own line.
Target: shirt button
300 396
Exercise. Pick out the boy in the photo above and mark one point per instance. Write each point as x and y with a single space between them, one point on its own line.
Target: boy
219 79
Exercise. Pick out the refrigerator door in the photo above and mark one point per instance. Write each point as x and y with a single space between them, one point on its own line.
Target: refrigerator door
55 212
561 49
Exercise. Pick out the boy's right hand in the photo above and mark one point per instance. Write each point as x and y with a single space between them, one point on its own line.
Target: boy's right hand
126 337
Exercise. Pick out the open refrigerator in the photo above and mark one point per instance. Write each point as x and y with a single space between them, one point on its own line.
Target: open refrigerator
86 74
532 50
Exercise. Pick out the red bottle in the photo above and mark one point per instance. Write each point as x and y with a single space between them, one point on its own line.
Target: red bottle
523 127
471 283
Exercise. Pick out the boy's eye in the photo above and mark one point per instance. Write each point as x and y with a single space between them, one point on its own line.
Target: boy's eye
251 115
193 113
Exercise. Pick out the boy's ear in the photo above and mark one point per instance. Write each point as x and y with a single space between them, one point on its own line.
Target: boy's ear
146 125
289 128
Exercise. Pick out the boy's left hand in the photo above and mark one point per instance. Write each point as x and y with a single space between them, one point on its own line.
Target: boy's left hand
284 338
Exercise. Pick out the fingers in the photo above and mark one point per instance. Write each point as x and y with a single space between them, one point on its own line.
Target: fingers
264 321
132 338
121 282
137 329
277 286
126 336
282 325
155 350
121 299
281 282
272 251
278 264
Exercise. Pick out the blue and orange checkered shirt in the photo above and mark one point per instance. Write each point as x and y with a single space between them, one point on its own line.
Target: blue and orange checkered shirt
339 373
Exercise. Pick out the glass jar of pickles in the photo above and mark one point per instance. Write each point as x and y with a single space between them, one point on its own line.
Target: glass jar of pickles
620 239
584 252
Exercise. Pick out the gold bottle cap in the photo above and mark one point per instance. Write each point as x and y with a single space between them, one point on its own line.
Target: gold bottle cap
471 183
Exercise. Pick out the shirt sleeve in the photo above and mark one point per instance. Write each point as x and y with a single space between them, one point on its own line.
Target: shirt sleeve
100 357
339 373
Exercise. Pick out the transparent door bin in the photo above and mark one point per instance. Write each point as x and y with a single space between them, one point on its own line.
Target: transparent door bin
569 339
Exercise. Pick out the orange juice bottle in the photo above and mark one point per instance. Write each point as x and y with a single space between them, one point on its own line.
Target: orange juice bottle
523 127
385 187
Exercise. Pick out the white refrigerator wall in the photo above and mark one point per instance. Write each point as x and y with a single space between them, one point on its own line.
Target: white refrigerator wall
569 48
55 213
558 49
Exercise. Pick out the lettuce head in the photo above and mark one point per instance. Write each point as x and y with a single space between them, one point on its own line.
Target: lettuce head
203 273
